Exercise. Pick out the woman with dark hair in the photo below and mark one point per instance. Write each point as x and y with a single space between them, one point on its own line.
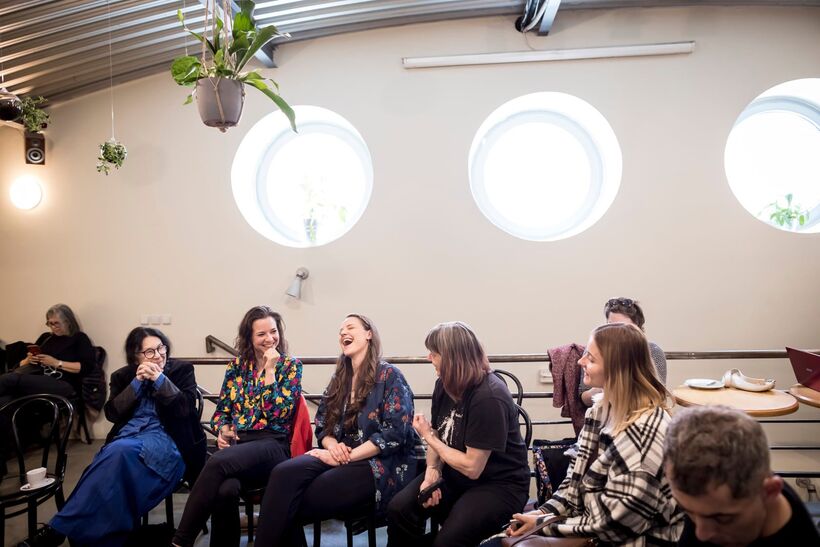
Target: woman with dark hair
155 440
55 363
626 310
473 443
363 426
253 418
616 491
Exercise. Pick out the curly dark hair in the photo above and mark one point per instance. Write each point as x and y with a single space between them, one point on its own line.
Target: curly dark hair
627 307
244 337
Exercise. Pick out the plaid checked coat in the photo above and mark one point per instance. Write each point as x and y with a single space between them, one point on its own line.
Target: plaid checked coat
616 491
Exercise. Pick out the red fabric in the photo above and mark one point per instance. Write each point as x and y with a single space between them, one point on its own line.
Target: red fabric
565 378
301 439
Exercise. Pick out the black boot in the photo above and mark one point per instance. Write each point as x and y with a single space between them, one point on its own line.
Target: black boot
44 537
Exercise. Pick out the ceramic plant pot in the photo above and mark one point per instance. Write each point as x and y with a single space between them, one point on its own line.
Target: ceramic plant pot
220 101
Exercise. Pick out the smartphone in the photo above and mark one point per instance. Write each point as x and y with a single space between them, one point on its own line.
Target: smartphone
513 525
33 349
425 494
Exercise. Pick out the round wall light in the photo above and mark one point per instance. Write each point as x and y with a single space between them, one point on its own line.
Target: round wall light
26 193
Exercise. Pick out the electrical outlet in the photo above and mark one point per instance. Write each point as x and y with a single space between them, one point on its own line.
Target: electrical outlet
155 319
545 376
166 318
144 320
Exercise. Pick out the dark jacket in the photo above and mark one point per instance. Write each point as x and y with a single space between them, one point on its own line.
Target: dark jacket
176 407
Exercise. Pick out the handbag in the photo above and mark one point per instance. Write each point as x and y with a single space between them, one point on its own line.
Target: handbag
534 539
551 465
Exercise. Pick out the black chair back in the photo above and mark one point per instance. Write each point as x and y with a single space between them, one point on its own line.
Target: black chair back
518 394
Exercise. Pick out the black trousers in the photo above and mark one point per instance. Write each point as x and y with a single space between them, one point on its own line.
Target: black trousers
29 382
216 491
304 489
466 516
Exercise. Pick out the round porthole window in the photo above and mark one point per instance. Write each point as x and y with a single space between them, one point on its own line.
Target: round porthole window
302 189
772 157
545 166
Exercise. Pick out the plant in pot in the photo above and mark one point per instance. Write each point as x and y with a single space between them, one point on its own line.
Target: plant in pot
786 215
112 155
33 117
218 76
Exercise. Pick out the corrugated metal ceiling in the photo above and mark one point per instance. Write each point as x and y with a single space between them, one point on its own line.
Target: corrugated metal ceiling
59 48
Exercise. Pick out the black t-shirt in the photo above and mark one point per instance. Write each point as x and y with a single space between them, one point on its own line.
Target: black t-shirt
800 530
76 348
486 419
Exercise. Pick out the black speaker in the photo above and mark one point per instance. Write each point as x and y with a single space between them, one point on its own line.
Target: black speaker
35 148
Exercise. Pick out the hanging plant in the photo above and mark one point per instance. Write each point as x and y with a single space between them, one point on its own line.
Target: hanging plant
112 154
33 117
217 74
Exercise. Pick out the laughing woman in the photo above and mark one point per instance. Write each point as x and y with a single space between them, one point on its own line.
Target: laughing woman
254 417
363 426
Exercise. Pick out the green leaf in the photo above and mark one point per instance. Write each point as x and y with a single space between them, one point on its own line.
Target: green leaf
280 102
264 36
189 99
186 70
243 20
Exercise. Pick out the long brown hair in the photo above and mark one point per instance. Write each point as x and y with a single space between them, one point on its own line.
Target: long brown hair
463 361
244 338
631 384
337 391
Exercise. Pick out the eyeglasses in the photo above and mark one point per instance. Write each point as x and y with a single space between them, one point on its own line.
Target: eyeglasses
53 324
150 353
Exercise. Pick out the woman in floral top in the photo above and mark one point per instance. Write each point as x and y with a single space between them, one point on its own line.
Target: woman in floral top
253 417
364 429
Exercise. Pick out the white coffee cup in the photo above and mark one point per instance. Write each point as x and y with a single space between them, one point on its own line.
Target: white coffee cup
36 477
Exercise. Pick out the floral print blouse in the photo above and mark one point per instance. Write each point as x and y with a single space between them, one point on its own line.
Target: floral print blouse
246 401
386 419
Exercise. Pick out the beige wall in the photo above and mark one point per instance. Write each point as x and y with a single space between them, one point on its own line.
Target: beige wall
164 235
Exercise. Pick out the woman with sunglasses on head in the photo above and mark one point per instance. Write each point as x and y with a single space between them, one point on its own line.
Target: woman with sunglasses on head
155 441
56 363
473 443
616 491
254 419
626 310
366 454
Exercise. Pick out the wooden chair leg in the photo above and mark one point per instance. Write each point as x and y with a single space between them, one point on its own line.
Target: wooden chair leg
32 519
169 509
249 514
317 533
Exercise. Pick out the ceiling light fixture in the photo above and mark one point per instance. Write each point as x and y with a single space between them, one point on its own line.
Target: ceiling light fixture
639 50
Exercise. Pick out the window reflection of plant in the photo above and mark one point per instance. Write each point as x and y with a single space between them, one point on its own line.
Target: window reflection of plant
785 216
318 205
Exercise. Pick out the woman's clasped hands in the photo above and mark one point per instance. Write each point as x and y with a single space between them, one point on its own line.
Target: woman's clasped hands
335 454
148 370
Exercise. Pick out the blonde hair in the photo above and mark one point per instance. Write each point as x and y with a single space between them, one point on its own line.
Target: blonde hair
463 361
631 385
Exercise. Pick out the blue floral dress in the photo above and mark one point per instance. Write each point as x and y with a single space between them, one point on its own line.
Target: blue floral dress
386 419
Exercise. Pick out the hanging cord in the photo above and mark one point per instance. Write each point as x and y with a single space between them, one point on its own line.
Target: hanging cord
185 34
110 68
2 70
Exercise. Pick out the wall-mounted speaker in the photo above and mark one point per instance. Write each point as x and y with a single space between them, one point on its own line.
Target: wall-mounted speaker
35 148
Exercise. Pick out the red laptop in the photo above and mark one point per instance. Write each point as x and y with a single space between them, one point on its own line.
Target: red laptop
806 367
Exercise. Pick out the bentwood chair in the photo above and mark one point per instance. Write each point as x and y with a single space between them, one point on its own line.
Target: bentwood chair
16 497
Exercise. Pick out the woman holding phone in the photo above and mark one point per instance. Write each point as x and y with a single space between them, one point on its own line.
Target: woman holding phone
616 491
363 426
56 363
477 474
253 418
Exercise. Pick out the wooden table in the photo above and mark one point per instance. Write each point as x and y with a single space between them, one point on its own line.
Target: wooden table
766 403
806 395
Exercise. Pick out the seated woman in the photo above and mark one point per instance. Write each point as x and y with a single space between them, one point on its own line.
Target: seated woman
156 439
626 310
58 362
474 444
363 425
616 490
254 418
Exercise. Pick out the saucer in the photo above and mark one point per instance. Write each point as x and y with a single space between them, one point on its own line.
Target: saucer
704 383
27 487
